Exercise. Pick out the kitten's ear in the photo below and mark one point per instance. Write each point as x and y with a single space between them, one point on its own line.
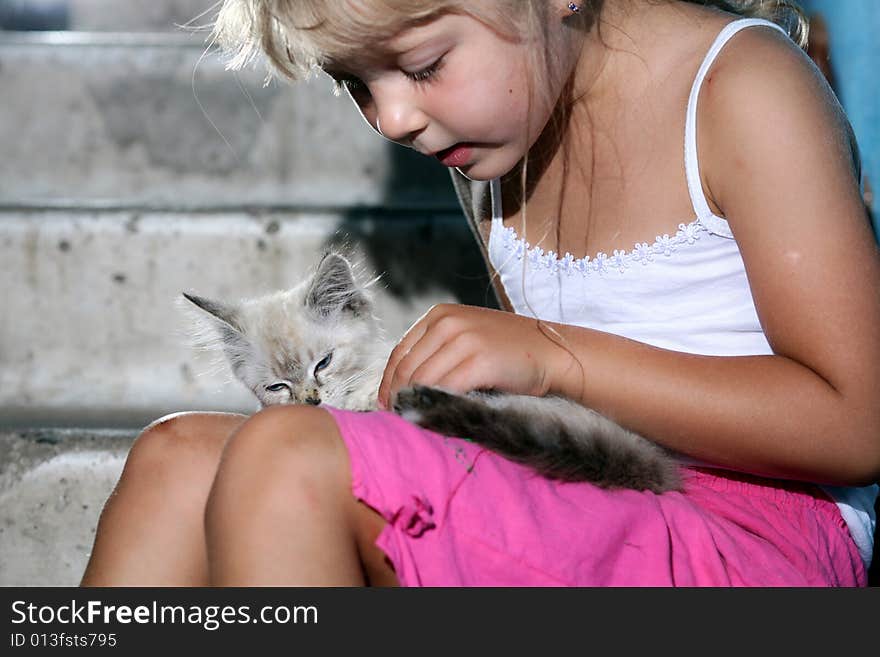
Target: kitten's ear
218 326
219 310
334 288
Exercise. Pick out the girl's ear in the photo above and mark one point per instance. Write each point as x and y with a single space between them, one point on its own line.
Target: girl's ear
334 288
225 313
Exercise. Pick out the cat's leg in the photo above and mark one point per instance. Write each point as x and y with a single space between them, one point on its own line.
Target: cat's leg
282 512
151 531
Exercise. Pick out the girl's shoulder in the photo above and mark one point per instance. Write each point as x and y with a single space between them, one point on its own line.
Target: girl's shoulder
759 54
764 95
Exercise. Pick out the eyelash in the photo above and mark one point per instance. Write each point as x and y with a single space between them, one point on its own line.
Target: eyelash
426 75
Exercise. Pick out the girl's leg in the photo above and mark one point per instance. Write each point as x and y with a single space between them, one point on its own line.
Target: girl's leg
281 511
151 531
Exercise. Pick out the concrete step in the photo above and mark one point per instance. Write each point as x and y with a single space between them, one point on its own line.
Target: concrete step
150 121
103 15
135 167
91 334
155 15
53 485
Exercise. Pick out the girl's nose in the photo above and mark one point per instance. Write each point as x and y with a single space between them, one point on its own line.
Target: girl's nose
399 119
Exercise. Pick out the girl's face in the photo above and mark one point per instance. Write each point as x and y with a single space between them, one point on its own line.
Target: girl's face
454 89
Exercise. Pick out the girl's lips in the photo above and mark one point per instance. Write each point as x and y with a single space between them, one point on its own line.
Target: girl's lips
455 156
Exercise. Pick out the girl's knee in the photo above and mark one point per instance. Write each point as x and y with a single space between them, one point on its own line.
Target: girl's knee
290 463
282 454
181 446
297 435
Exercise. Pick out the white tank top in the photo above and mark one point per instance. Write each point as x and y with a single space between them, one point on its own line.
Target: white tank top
686 290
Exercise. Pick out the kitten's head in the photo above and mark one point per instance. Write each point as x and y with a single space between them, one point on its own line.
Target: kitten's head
317 343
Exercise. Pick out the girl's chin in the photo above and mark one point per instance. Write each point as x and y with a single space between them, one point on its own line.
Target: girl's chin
467 172
484 169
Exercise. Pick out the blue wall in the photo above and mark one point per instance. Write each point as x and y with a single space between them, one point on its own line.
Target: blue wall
854 35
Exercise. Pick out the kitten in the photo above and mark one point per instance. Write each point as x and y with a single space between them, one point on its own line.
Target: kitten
320 343
317 343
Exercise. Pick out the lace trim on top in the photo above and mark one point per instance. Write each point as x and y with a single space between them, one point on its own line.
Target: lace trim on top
642 253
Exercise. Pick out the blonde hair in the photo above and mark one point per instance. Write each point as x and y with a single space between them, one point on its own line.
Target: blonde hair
298 37
785 13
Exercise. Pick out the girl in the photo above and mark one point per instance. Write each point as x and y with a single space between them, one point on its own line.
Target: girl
747 339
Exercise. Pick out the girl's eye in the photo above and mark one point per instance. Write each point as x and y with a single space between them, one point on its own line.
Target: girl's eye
426 74
361 93
278 387
323 363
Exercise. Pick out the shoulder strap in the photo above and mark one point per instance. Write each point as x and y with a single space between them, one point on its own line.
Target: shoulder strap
691 162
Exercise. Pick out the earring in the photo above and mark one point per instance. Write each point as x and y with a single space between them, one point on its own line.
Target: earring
574 7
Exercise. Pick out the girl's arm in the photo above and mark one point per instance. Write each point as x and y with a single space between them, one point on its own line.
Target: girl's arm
778 164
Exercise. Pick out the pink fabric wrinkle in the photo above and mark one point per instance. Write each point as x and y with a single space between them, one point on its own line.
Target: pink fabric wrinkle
468 473
415 517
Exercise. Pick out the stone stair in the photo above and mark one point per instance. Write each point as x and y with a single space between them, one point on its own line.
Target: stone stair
134 167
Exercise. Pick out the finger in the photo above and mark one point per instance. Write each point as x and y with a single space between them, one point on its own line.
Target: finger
410 338
466 375
432 370
441 320
433 340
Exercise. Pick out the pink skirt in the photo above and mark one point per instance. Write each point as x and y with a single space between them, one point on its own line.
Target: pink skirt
459 515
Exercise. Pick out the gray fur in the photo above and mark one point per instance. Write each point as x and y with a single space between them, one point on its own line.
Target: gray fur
557 437
281 338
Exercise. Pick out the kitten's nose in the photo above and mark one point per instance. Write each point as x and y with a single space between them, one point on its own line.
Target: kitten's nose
314 401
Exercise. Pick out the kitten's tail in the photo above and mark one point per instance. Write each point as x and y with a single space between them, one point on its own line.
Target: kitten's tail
558 438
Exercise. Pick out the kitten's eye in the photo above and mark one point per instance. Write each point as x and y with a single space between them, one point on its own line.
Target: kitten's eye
324 362
277 387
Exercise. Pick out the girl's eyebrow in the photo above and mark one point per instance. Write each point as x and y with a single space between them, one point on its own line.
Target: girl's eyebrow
415 33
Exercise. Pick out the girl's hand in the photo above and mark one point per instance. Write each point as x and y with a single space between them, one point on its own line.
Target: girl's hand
462 348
